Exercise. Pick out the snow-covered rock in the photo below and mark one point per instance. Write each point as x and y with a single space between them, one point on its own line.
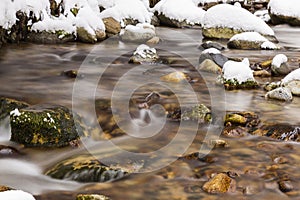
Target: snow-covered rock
214 55
280 65
287 11
16 195
133 10
139 33
236 75
224 21
112 26
292 81
178 13
281 94
294 75
144 53
90 27
250 40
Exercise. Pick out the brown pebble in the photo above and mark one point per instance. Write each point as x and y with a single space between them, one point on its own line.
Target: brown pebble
285 186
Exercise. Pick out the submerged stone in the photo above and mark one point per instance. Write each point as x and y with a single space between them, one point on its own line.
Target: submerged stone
89 169
43 126
174 77
91 197
220 183
199 113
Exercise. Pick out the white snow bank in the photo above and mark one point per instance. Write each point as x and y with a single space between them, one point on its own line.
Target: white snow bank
78 4
239 71
294 75
285 8
16 195
211 51
249 36
278 60
180 10
225 15
53 24
133 9
269 45
144 50
140 28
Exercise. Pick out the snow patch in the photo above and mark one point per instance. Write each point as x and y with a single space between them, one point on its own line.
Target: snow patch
225 15
16 195
211 51
269 45
15 113
239 71
278 60
249 36
180 10
263 14
144 50
285 8
294 75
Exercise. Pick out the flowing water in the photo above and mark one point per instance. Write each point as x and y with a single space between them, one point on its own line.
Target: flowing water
33 73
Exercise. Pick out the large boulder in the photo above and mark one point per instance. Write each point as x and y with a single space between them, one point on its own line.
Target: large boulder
45 37
185 13
221 21
43 126
292 81
213 54
287 11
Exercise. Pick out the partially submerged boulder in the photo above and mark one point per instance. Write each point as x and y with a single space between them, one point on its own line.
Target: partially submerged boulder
214 55
144 54
112 26
250 41
43 126
279 65
221 22
284 12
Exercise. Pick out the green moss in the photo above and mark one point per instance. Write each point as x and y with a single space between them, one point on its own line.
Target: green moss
198 113
74 11
234 84
7 105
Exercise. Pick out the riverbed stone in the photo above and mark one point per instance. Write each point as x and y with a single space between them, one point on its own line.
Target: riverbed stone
220 183
43 126
175 77
283 19
91 197
281 70
211 44
279 131
8 152
86 168
218 58
7 105
210 66
166 21
144 54
280 93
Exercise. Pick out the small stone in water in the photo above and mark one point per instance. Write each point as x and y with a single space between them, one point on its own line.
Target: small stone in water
285 186
91 197
220 183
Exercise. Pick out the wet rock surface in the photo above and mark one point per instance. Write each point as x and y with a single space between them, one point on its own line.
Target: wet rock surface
220 183
7 105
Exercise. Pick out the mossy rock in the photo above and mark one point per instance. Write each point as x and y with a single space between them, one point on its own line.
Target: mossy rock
86 168
244 44
281 19
172 22
220 183
91 197
199 113
246 119
7 105
43 126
